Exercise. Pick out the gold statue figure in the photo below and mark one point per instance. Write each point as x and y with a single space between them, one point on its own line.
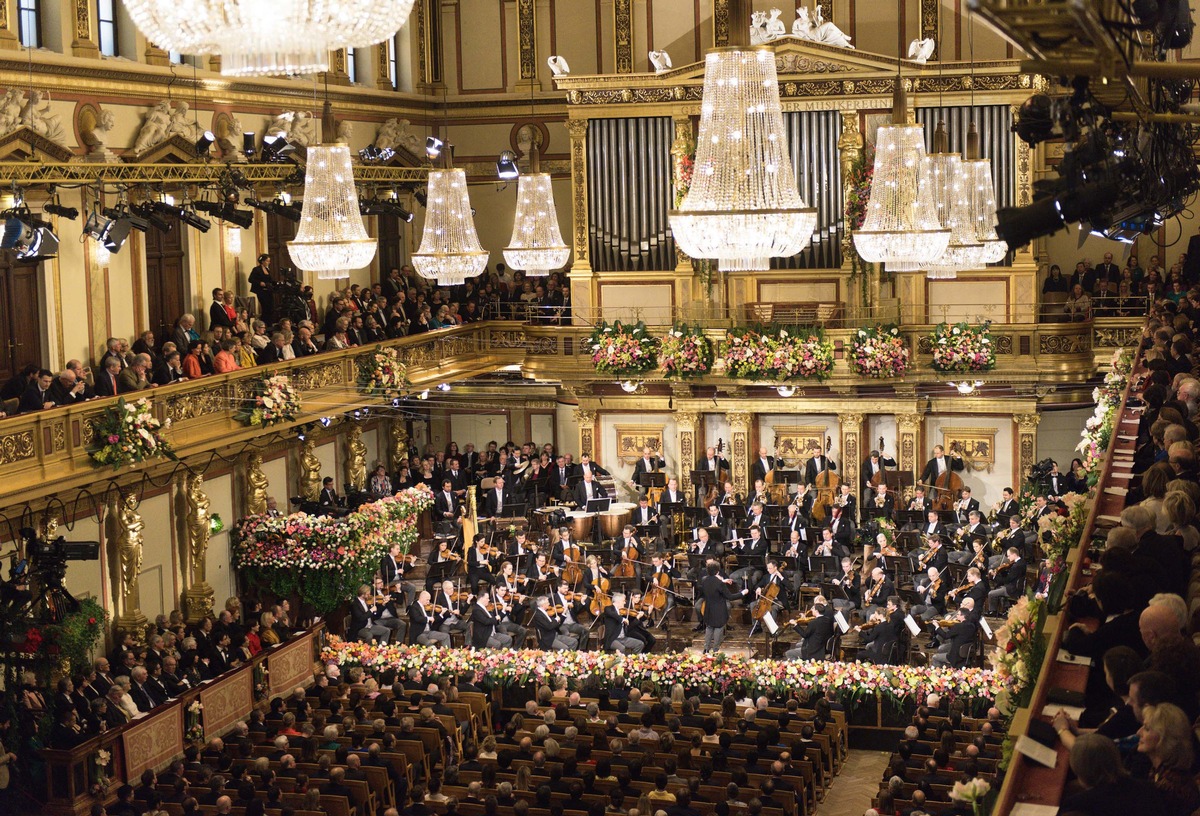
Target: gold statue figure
356 459
199 528
125 531
398 444
256 486
310 471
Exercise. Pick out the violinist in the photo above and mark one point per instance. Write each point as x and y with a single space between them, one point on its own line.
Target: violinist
509 610
444 554
1009 578
364 618
616 634
394 565
939 463
877 588
815 633
880 551
521 550
974 587
572 607
549 629
389 604
449 600
950 641
635 623
484 623
932 590
935 556
539 570
509 580
481 564
423 622
879 639
849 584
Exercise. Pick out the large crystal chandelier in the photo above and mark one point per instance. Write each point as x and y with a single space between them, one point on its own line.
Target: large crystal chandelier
262 37
901 229
945 175
743 207
450 251
536 245
972 217
331 236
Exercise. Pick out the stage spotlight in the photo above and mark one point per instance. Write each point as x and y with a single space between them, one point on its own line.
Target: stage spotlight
248 144
122 214
204 143
241 218
210 207
54 208
422 196
506 166
433 147
28 237
153 217
1035 120
292 212
276 148
189 217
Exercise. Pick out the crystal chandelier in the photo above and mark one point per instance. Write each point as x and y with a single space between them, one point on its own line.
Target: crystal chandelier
901 229
949 196
263 37
331 235
743 207
972 219
536 245
450 251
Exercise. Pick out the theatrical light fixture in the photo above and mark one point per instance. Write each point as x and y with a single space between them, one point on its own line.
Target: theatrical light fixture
371 153
54 208
28 236
242 218
249 144
506 166
204 143
433 147
210 207
630 386
149 212
384 206
276 148
188 216
966 388
122 213
424 394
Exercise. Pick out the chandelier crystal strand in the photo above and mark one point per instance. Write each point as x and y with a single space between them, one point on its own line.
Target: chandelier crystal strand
450 251
951 197
981 195
265 37
743 207
332 235
536 245
902 225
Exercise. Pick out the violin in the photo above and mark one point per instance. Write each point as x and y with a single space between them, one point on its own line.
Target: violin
433 609
998 571
954 592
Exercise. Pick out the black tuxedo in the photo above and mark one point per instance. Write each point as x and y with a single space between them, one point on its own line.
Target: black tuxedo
815 635
672 498
217 316
959 635
759 469
362 616
390 569
328 498
581 497
716 595
443 504
59 394
964 513
270 353
494 504
1007 508
34 398
547 628
869 469
483 626
880 638
933 470
418 622
140 697
816 465
592 467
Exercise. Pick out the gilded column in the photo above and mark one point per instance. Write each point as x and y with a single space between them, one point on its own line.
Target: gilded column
527 40
578 129
907 445
125 530
720 23
686 423
255 503
681 148
739 449
623 31
8 37
199 529
851 448
84 43
383 68
587 431
1027 425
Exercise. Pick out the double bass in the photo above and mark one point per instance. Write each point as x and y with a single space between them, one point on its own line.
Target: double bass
947 486
827 484
877 478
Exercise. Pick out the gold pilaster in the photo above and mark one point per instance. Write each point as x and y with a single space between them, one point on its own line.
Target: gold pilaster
587 431
908 442
124 530
199 529
337 73
8 37
84 42
929 26
1027 425
851 448
721 23
383 74
527 40
686 423
578 128
156 56
623 31
739 448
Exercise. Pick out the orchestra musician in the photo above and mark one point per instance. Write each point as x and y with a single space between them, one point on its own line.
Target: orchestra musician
830 548
796 521
773 577
594 575
644 515
842 527
481 564
964 505
1009 578
389 600
364 618
672 494
876 589
588 489
715 593
804 499
932 590
446 508
509 610
846 501
485 633
962 633
879 639
616 633
729 495
497 499
549 628
444 554
881 502
752 555
572 608
700 550
539 570
635 623
756 515
423 621
875 463
849 584
1014 535
1008 506
586 465
760 495
932 525
815 634
919 500
629 548
974 587
939 463
393 566
817 465
714 524
797 550
761 466
713 463
454 619
649 463
934 556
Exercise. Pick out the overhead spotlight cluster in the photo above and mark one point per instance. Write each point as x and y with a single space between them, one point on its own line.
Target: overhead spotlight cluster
281 205
1119 178
227 211
384 206
433 147
372 154
27 234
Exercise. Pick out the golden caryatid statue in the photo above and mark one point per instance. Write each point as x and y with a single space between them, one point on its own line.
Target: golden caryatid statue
199 527
356 459
256 486
126 530
397 444
310 471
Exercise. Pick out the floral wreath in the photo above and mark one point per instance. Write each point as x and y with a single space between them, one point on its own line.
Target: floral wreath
129 433
778 354
878 352
963 347
621 350
685 352
381 373
272 400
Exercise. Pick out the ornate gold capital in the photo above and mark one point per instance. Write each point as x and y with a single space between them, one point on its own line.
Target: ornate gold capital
1027 422
908 421
584 416
687 419
577 128
739 420
850 422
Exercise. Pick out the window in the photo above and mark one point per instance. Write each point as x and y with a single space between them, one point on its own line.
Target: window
106 27
29 23
391 47
352 64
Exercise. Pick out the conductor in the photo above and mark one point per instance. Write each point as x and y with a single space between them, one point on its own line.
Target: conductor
715 595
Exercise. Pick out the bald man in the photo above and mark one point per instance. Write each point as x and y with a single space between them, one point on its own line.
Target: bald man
1157 622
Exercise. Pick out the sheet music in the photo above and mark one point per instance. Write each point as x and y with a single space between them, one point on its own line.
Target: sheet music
840 620
768 622
987 630
912 625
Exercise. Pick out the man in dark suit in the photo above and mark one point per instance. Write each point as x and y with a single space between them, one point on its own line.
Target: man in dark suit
1056 483
587 490
875 463
649 463
217 316
880 638
715 594
549 636
817 465
446 508
484 634
616 634
938 464
1008 580
329 496
273 352
364 618
422 627
842 528
137 689
965 505
713 463
815 634
957 636
1008 506
497 499
67 389
932 526
37 395
761 466
303 345
586 465
261 284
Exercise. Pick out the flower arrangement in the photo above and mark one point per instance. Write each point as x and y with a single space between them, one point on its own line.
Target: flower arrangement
101 766
751 354
128 433
963 347
493 668
1020 649
74 637
685 352
1098 430
858 188
261 689
685 166
322 559
1059 533
973 793
381 374
272 400
193 725
621 350
879 353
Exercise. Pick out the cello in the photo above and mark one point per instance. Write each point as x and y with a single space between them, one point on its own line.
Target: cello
827 483
765 601
878 476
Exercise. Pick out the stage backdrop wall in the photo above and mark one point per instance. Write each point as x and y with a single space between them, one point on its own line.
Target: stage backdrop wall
985 486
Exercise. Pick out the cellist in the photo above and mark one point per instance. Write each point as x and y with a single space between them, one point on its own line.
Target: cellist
774 578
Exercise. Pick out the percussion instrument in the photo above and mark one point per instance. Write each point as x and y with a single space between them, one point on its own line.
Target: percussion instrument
581 523
613 521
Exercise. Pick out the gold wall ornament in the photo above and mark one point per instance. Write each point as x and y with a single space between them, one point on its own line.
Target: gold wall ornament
16 447
356 459
310 471
851 427
256 486
1027 425
908 431
527 39
623 34
125 529
721 23
796 444
199 529
739 448
397 443
977 446
686 423
632 438
578 128
84 44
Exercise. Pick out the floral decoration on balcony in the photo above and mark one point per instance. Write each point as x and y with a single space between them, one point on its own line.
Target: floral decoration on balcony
685 352
129 433
963 347
777 354
272 400
381 374
878 352
622 350
1020 649
1098 430
858 188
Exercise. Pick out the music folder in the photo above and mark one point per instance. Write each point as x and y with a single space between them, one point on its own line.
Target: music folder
911 623
768 622
840 620
598 505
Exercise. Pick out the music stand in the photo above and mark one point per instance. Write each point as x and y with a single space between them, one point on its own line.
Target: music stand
947 517
598 506
649 480
913 517
877 512
732 512
670 509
